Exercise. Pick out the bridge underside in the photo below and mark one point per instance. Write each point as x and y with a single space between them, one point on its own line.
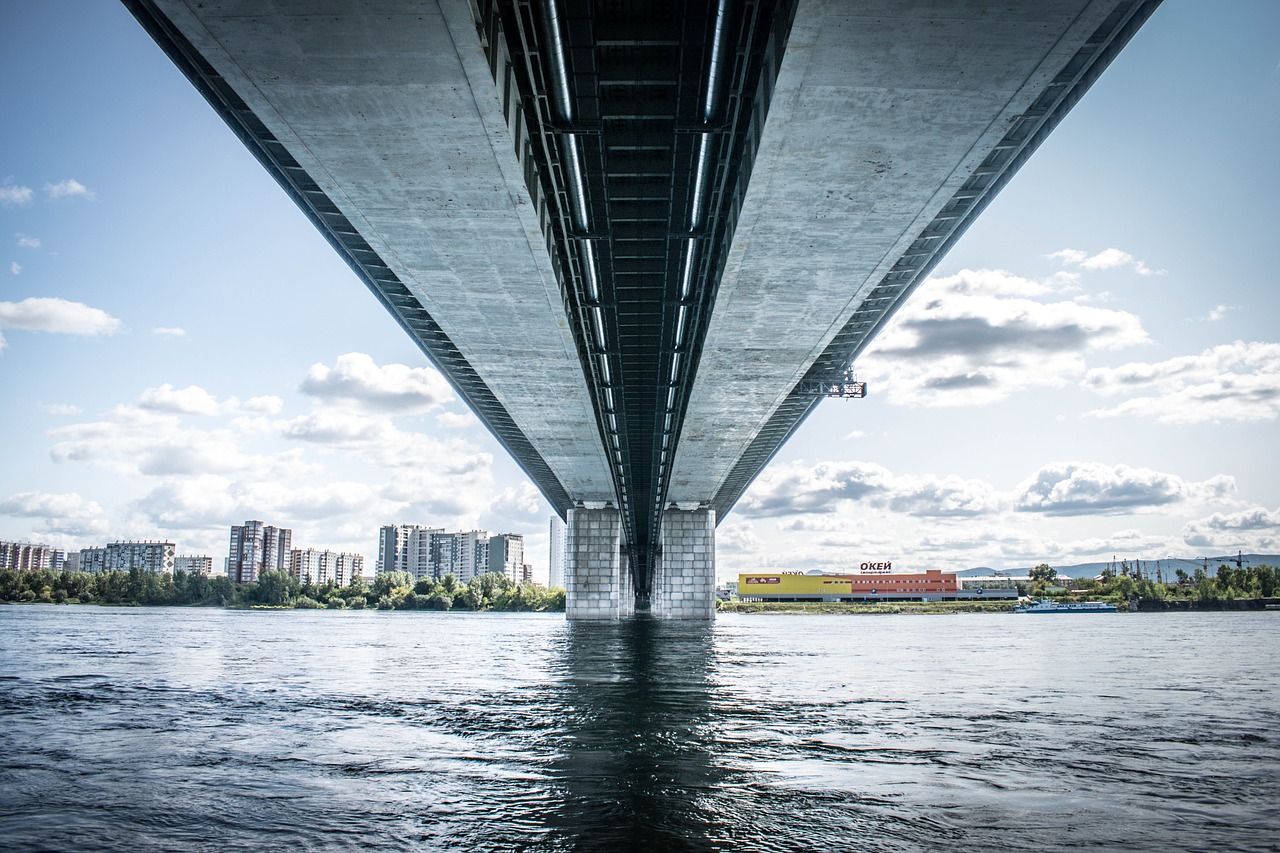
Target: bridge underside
636 236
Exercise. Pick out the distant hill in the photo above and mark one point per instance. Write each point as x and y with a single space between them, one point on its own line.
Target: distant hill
1167 566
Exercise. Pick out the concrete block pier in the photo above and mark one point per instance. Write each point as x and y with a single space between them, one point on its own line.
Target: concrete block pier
597 578
684 578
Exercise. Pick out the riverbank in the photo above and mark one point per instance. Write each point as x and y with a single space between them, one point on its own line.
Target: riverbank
1184 605
885 607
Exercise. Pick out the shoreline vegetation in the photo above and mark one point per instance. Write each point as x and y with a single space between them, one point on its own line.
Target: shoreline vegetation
1230 588
277 590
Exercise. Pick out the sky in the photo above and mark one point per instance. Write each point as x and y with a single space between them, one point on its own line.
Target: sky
1093 371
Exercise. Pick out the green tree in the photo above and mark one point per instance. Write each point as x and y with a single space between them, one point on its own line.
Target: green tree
1043 574
275 588
387 583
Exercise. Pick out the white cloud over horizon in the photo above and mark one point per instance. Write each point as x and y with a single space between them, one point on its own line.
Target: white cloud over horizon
67 514
52 314
391 388
1093 488
1231 382
1107 259
979 336
1255 528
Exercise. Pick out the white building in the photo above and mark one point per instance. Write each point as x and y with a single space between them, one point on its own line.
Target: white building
256 548
407 548
25 556
156 557
464 554
194 565
555 564
316 567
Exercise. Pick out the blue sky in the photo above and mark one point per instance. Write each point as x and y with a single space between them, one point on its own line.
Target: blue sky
1093 371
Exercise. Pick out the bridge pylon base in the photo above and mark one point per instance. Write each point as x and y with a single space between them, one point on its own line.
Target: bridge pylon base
598 582
597 577
684 578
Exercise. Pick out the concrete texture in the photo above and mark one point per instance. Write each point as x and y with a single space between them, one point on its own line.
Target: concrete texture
881 111
596 577
392 109
684 581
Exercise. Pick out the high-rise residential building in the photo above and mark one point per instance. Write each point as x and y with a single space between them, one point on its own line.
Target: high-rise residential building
194 565
555 565
406 548
25 556
506 555
257 548
313 566
464 554
156 557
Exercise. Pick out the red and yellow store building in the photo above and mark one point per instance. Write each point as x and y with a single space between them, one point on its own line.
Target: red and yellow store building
931 585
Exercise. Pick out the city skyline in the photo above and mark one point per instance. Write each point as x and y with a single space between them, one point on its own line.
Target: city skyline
1091 371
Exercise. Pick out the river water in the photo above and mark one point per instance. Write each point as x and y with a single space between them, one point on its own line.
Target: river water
148 729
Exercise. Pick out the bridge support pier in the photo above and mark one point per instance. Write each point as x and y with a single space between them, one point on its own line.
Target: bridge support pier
684 579
597 577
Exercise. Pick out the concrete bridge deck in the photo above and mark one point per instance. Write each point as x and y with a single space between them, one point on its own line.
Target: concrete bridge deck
635 236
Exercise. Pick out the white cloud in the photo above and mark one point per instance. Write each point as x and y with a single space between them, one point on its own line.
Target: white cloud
59 409
1232 382
1094 488
1107 259
11 195
67 513
394 388
799 488
267 404
15 268
197 501
25 242
1218 313
379 441
521 503
980 335
946 497
192 400
70 188
736 537
50 314
131 440
457 420
1255 527
796 488
169 331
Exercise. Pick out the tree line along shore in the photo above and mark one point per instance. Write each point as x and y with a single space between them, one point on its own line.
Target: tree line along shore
278 589
1230 588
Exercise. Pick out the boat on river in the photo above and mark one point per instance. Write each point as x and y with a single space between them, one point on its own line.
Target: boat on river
1045 605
